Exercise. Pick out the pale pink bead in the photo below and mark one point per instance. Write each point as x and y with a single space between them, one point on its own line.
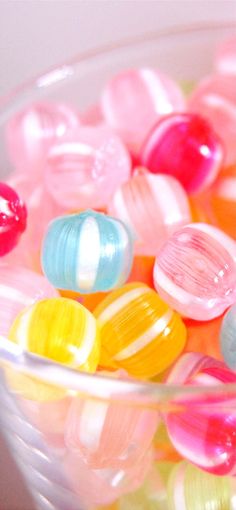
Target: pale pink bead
32 131
134 100
195 274
84 169
225 60
20 287
215 98
153 206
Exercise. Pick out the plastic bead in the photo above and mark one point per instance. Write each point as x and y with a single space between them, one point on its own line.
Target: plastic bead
153 206
228 338
189 488
215 98
225 61
85 168
195 273
13 216
32 131
185 146
87 252
139 332
59 329
20 287
223 201
153 95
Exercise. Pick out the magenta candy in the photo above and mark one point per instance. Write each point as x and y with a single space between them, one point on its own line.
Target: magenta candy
32 131
135 99
215 98
204 429
153 206
195 274
185 146
85 168
13 216
225 61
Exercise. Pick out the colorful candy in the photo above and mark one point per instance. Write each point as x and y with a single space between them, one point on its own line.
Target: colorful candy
203 337
185 146
139 332
85 168
153 206
228 338
223 201
195 274
13 216
225 61
87 252
135 99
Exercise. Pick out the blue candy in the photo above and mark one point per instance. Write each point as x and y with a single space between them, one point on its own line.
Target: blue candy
228 338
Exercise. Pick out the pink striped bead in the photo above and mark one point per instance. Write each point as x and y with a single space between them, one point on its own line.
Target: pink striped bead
215 98
195 274
204 429
225 60
153 206
85 168
185 146
135 99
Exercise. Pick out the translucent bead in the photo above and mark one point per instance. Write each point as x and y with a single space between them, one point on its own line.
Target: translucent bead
19 287
228 338
225 59
189 488
87 252
215 98
85 168
32 131
195 273
135 99
185 146
203 428
13 216
59 329
223 201
153 206
139 332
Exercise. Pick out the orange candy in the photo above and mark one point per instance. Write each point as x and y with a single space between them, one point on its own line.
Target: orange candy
223 201
203 337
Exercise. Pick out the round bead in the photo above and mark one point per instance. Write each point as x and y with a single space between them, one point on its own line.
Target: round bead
225 60
135 99
139 332
228 338
215 98
185 146
13 216
85 168
87 252
59 329
223 201
153 206
195 273
33 130
20 287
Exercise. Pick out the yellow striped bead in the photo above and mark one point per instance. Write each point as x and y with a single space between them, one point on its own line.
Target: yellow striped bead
139 332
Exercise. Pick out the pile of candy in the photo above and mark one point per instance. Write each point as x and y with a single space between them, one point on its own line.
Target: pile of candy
127 267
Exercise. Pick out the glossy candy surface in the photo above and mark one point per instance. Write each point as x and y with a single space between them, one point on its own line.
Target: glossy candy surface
153 206
153 96
225 61
195 274
13 215
87 252
228 338
185 146
139 332
85 167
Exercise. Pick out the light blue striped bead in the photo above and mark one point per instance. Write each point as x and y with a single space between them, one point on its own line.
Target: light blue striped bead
228 338
87 252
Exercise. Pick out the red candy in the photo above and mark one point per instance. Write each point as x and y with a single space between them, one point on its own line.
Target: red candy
12 218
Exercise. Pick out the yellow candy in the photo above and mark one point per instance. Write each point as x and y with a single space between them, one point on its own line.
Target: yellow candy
139 332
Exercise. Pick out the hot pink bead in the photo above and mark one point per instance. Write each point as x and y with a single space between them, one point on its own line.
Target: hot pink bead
185 146
19 287
215 98
204 430
13 216
135 99
153 206
225 61
85 168
33 130
195 274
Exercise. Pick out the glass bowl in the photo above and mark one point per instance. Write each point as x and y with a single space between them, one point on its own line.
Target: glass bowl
120 453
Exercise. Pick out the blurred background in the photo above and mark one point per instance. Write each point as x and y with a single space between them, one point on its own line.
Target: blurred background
36 34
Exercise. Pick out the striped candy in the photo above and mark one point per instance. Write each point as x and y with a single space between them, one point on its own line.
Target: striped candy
87 252
153 206
139 332
228 338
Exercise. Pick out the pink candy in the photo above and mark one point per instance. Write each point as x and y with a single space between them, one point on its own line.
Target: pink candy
13 217
225 61
135 99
